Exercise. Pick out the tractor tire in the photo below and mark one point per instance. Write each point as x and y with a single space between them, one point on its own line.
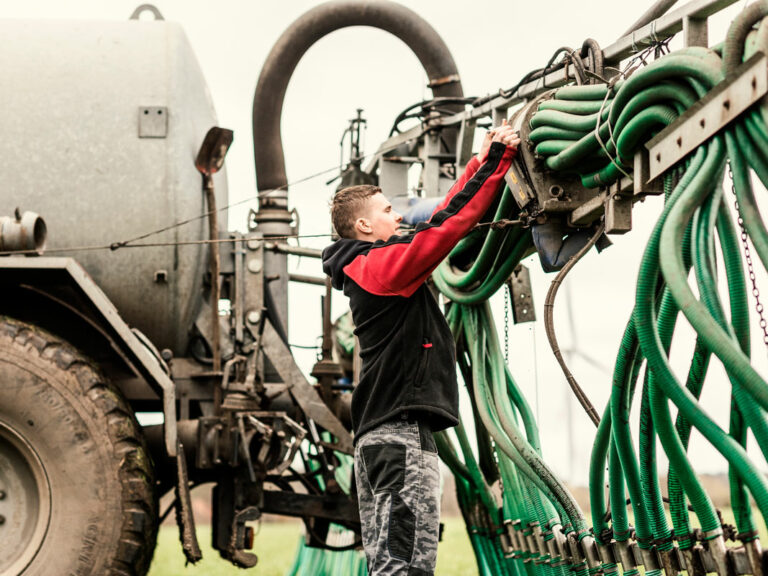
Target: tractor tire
77 489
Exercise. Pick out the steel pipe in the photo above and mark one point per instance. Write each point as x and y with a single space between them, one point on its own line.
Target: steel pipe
293 250
657 10
316 280
22 232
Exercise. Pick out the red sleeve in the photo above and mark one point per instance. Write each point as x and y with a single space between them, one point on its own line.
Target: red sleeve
400 265
469 171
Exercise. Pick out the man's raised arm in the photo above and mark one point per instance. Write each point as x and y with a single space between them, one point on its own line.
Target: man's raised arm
401 264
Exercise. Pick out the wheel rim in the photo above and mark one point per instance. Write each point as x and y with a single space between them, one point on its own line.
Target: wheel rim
25 501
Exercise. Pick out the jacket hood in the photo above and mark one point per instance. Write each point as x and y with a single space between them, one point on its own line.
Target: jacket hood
338 255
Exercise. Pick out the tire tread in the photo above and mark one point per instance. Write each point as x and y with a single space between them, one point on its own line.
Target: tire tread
135 469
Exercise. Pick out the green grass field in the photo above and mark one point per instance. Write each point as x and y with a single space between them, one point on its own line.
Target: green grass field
276 544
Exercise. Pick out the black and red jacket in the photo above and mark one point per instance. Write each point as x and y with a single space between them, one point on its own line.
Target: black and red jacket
406 347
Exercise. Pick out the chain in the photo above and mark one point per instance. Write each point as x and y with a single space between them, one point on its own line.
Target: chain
506 363
748 255
506 323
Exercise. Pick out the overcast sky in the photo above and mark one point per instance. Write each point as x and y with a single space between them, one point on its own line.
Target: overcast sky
494 43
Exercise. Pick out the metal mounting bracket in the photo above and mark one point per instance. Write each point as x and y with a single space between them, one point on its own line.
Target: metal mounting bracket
303 392
718 108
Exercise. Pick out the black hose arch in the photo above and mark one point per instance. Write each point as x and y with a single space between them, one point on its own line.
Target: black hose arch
398 20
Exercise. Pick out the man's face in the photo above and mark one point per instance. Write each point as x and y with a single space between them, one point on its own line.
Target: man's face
379 220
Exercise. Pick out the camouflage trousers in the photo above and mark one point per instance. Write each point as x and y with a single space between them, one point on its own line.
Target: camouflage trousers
397 477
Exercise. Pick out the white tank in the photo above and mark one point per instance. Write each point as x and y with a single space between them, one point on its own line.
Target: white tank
100 125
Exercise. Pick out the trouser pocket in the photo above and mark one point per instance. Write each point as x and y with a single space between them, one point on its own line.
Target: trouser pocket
402 529
386 466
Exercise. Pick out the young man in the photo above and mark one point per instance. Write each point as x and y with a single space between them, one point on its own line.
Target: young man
408 386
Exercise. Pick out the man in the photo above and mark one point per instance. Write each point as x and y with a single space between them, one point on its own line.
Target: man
407 385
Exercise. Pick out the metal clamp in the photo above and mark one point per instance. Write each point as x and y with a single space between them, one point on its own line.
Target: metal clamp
506 540
576 554
626 555
589 548
538 536
607 553
651 560
561 546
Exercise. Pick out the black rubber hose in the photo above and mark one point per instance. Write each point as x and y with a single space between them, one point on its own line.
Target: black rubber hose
591 49
549 305
318 22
